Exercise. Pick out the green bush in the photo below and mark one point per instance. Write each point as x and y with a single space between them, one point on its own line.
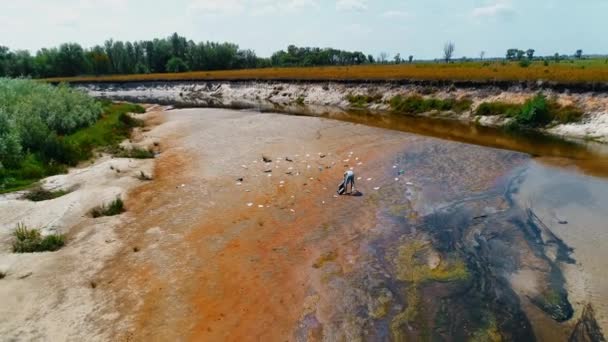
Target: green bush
39 194
361 101
115 207
498 108
417 104
31 241
535 112
524 63
30 149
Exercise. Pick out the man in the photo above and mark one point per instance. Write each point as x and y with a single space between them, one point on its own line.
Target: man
349 178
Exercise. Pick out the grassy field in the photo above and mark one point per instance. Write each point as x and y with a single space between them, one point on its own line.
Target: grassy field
580 71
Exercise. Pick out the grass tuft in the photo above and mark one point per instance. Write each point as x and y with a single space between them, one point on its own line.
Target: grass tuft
116 207
416 104
40 194
362 101
134 152
28 240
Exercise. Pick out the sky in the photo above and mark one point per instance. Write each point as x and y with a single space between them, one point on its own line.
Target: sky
409 27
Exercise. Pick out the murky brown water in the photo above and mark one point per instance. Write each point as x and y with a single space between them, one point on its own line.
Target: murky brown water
588 157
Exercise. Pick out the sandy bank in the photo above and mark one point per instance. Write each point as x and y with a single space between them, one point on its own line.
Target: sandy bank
314 98
53 296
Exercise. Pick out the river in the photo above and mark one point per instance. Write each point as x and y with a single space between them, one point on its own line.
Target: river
459 232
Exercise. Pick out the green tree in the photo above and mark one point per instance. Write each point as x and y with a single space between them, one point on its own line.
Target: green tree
176 64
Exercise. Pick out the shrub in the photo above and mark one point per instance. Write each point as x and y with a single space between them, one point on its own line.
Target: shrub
115 207
130 121
134 152
416 104
524 63
535 112
498 108
39 194
31 241
361 101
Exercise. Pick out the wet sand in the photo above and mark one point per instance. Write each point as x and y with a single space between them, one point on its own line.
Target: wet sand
432 249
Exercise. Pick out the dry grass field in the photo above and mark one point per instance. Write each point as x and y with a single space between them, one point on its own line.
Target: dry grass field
583 71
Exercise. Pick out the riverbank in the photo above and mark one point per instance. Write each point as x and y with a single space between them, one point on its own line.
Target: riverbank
51 296
240 236
321 98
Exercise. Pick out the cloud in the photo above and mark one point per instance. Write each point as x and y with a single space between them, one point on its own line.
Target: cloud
497 8
218 6
395 14
253 7
351 5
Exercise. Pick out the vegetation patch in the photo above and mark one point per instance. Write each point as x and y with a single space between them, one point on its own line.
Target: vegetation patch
40 194
116 207
416 104
28 240
45 129
538 111
498 108
362 101
134 152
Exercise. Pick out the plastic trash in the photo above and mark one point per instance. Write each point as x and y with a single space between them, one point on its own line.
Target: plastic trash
377 188
250 204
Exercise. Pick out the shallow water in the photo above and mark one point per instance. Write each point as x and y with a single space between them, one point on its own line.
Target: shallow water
588 157
450 241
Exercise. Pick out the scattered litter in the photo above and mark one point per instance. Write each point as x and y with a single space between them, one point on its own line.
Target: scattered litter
322 156
308 167
369 179
396 179
282 182
250 204
244 166
308 155
266 159
268 171
357 158
359 178
377 188
289 159
311 178
323 202
183 185
240 179
401 172
293 211
239 183
359 163
346 160
409 183
247 190
293 196
270 175
255 161
335 196
394 166
260 206
352 168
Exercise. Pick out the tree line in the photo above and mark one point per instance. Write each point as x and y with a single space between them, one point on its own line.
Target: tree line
172 54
